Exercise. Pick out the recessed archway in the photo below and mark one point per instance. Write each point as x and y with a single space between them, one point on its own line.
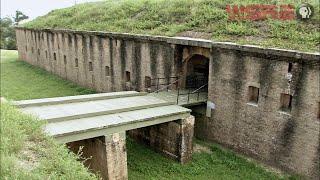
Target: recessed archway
195 71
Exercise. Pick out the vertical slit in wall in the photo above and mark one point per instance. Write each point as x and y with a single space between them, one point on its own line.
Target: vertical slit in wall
153 51
65 59
90 66
100 51
137 64
77 55
76 62
290 65
111 64
166 53
107 71
123 60
85 57
91 59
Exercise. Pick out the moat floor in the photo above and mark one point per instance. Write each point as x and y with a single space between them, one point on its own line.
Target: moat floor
22 81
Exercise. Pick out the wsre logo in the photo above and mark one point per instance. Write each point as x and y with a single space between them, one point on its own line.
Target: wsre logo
255 12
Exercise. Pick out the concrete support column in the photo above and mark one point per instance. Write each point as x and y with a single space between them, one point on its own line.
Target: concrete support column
106 155
116 156
187 132
172 139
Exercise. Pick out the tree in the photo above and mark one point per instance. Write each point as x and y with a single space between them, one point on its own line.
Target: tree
19 17
8 36
7 31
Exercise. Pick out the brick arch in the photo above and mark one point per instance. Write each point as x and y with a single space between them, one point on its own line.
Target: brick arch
194 64
189 52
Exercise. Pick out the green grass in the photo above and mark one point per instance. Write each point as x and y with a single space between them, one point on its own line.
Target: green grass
20 80
26 153
184 17
24 145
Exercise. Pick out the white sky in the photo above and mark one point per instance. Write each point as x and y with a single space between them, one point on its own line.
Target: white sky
35 8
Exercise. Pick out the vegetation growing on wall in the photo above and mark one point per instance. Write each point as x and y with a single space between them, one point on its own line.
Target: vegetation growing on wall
194 18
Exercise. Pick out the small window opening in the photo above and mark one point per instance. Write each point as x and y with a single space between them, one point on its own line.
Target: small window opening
128 78
290 67
26 48
38 51
76 62
46 52
107 71
253 94
90 66
54 56
147 81
286 102
65 59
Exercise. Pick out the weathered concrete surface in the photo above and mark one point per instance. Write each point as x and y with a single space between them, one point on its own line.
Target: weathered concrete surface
288 140
72 118
106 155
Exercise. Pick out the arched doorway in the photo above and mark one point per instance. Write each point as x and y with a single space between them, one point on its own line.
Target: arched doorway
196 71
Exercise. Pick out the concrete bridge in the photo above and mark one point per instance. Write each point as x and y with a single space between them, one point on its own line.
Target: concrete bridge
98 123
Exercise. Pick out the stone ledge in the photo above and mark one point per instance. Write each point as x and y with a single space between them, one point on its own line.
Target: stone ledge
193 42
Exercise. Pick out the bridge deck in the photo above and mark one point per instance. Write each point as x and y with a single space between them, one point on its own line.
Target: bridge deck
81 117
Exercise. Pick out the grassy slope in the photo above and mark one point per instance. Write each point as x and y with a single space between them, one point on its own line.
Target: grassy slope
184 17
27 141
20 80
26 153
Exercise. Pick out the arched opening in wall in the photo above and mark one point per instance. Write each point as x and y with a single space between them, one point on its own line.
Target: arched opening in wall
197 71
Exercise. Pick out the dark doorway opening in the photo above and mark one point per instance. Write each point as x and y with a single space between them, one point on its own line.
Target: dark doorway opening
197 71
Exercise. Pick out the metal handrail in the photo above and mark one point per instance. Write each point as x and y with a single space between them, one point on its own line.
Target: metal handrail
166 87
157 84
189 93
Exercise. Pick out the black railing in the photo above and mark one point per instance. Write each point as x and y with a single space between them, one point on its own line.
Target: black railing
194 85
196 81
201 89
158 83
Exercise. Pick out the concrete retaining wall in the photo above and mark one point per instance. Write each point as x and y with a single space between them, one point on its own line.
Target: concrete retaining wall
287 138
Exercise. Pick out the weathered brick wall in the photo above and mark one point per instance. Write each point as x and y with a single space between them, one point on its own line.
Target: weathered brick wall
84 57
288 140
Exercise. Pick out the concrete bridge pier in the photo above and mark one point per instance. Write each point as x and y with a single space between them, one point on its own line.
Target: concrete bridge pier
105 155
172 139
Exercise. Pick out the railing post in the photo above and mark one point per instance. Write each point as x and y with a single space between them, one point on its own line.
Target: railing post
158 84
188 96
198 96
178 96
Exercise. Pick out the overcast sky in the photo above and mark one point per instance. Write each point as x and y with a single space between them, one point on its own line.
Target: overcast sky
35 8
